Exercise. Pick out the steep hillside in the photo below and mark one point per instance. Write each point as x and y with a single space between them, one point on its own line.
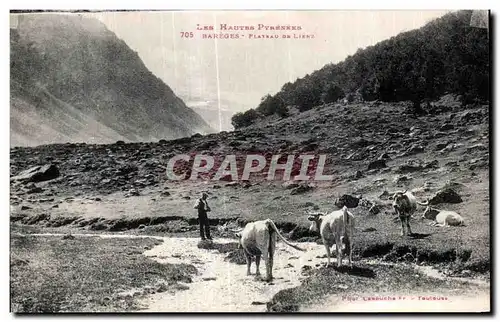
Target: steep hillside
448 55
73 80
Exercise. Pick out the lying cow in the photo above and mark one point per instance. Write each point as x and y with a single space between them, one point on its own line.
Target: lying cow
259 239
443 217
405 205
336 228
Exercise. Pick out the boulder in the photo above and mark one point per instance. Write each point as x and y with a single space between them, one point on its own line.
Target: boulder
377 164
38 174
303 188
348 201
446 195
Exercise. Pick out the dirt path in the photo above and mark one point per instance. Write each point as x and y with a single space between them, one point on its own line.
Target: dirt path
224 286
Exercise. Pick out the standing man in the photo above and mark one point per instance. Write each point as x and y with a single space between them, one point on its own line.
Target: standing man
203 208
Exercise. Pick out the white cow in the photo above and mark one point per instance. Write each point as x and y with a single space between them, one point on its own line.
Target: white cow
258 239
336 228
443 217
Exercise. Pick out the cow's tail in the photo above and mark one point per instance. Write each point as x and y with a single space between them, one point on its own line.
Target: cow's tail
346 218
272 228
346 224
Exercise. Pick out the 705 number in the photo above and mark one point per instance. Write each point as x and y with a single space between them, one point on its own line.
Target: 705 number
185 34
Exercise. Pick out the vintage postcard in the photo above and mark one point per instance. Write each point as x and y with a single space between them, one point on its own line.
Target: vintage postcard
250 161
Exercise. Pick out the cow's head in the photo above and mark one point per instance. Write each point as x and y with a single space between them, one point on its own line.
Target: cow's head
430 213
400 200
315 219
238 234
398 195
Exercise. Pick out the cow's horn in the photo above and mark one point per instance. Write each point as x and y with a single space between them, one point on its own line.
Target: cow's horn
426 203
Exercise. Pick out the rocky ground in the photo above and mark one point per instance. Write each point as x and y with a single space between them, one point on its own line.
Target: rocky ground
373 149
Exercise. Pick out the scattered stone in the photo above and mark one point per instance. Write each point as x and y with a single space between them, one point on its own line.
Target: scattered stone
209 278
290 185
384 156
309 204
38 174
161 288
301 189
369 229
446 127
34 190
441 145
377 164
45 200
401 179
477 147
374 210
180 287
23 207
306 269
232 184
379 180
407 167
414 149
434 164
358 175
348 201
258 303
384 195
446 195
68 236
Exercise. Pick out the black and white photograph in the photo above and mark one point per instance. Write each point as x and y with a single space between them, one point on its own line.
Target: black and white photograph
250 161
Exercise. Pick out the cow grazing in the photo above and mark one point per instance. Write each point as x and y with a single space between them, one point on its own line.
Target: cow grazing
258 239
405 205
336 228
443 217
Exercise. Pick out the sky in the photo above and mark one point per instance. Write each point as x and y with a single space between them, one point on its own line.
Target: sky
234 74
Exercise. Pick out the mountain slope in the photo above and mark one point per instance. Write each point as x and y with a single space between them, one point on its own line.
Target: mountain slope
448 55
73 80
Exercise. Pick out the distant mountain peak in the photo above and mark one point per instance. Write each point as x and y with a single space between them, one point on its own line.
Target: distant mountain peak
72 79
